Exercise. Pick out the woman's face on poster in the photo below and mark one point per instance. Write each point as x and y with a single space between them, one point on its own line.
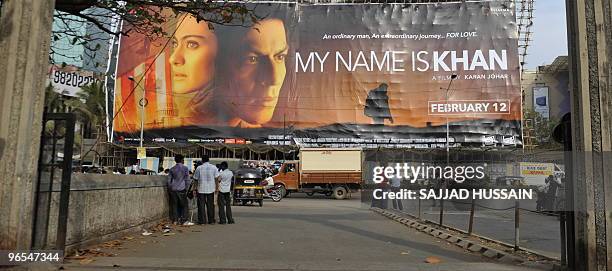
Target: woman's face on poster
193 56
259 71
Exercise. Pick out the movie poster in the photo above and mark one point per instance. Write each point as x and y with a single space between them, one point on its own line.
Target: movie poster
396 75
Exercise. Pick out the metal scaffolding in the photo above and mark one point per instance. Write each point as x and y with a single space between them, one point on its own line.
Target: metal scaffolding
524 20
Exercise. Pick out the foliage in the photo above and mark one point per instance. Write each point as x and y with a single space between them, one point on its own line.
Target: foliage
542 127
53 100
90 105
143 16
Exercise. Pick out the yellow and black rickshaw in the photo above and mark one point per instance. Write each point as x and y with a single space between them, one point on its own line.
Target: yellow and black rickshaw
248 187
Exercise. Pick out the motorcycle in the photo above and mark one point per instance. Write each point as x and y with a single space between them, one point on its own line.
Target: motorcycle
273 192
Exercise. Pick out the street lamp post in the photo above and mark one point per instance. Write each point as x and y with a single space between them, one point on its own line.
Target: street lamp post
453 77
444 185
142 103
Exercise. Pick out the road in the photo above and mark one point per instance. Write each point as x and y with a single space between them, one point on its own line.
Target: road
297 233
538 232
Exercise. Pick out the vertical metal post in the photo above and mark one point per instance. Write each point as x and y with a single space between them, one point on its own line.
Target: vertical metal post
563 234
419 216
142 115
62 220
516 225
453 77
471 224
142 102
441 212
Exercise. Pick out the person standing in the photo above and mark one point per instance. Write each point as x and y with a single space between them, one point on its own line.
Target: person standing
395 187
178 182
224 201
206 175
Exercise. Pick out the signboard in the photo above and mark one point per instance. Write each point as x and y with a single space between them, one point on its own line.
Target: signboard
331 75
539 169
68 80
141 152
150 163
541 103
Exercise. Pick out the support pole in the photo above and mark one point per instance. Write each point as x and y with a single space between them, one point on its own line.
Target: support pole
517 223
590 58
471 224
25 33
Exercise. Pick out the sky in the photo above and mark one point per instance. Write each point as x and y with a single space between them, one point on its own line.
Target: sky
549 33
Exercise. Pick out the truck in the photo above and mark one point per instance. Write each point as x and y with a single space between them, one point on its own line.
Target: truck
535 173
330 171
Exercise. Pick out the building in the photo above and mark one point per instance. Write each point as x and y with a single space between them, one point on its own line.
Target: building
551 82
91 56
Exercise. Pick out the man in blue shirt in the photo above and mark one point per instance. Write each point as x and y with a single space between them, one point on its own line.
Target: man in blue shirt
178 183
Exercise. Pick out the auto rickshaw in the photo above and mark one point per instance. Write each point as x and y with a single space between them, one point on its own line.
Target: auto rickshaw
248 186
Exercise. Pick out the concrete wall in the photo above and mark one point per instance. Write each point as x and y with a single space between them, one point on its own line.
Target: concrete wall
105 207
25 28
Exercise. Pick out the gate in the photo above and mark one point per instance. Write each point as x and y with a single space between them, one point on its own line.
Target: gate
53 184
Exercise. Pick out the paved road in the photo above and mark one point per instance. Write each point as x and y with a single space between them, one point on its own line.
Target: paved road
538 232
297 233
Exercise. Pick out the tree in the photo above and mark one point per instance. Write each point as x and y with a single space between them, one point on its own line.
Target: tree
53 100
90 104
542 128
143 16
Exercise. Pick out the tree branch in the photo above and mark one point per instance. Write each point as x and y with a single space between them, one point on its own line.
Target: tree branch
95 22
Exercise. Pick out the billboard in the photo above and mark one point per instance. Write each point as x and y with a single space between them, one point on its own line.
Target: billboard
68 79
398 75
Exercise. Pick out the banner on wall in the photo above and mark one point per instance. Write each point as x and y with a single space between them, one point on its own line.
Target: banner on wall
330 75
541 104
69 79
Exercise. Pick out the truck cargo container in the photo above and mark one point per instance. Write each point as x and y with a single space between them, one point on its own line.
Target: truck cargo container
333 172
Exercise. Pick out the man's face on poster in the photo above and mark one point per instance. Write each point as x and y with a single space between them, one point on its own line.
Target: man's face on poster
258 75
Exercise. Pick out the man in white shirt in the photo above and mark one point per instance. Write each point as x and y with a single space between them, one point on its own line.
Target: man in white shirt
395 187
205 175
224 201
269 184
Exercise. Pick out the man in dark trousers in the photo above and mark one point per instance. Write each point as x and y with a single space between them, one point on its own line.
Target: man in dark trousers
178 182
224 201
206 175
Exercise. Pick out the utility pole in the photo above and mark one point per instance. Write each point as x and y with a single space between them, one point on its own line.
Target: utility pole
142 103
589 24
445 183
25 28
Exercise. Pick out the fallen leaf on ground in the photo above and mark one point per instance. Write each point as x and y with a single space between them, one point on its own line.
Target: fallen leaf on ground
86 261
75 257
405 253
85 253
169 234
112 244
433 260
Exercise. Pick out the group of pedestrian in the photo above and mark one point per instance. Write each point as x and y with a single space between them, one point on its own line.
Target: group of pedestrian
207 180
547 194
389 184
